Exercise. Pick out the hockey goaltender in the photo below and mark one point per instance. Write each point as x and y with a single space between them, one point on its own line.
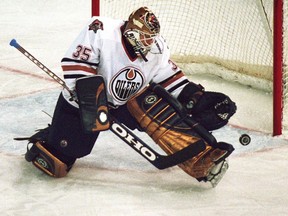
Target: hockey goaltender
121 78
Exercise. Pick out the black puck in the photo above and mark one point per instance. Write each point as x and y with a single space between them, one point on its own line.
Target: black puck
245 139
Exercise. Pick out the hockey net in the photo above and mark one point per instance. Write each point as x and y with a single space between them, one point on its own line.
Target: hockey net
236 36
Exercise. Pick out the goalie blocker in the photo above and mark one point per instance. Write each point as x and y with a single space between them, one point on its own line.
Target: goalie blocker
165 120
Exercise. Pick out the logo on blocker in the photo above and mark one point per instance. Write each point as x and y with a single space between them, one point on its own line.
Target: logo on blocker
151 99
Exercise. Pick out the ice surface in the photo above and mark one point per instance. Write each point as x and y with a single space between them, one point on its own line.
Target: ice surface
114 179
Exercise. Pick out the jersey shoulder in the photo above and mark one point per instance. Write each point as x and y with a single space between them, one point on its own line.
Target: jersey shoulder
161 50
104 25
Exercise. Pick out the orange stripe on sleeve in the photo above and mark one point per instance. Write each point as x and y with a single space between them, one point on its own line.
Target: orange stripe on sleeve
78 67
172 79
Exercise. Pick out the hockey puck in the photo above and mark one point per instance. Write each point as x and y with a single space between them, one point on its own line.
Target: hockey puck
245 139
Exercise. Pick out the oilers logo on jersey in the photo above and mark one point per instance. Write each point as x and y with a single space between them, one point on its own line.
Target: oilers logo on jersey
126 82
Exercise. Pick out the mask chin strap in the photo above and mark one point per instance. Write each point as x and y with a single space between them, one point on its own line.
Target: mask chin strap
143 56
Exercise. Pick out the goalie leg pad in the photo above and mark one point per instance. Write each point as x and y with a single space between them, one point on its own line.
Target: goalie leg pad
207 160
47 162
165 125
168 127
161 122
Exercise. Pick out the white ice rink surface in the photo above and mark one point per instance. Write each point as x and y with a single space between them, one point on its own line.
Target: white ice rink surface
114 179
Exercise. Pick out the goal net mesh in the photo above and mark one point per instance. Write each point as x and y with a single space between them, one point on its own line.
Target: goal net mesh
236 36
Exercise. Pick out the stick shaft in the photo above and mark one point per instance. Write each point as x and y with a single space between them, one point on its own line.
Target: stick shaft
40 65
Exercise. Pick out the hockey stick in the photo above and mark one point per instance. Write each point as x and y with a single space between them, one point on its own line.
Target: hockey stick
119 129
156 159
14 43
181 111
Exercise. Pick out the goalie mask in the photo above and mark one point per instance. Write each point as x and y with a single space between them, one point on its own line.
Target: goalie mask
141 31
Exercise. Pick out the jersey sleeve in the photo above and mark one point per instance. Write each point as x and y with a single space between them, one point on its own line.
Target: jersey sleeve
170 76
82 57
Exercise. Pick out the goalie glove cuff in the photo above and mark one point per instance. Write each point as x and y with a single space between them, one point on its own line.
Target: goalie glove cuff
190 95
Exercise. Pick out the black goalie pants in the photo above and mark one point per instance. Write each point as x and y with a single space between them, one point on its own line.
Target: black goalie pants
66 135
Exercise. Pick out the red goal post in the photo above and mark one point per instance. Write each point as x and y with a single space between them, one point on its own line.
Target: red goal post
280 92
252 35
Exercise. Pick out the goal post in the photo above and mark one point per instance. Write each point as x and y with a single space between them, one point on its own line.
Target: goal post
278 68
95 6
245 37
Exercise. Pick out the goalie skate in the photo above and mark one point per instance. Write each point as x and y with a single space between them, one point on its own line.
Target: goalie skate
217 173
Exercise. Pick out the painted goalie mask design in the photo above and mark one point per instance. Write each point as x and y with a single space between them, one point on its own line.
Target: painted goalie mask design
141 32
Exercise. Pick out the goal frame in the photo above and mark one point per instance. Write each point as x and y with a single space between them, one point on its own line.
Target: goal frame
278 67
278 49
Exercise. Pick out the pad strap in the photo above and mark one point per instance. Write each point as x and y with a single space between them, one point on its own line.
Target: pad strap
190 95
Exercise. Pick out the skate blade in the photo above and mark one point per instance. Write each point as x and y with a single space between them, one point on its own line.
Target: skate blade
217 173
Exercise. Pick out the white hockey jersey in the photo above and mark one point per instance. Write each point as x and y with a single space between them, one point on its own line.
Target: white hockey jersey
101 49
